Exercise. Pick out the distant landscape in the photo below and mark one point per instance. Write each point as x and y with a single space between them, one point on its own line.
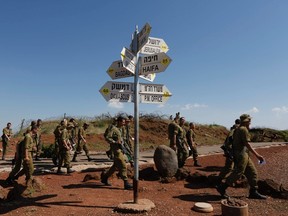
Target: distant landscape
153 132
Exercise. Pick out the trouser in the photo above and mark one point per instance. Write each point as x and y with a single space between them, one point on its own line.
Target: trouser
243 165
28 167
64 156
5 144
118 164
55 155
182 154
193 152
82 146
39 148
227 169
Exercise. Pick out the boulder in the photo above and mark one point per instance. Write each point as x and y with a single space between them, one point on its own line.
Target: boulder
165 160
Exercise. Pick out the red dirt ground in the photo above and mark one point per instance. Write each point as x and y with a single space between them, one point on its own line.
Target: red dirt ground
69 195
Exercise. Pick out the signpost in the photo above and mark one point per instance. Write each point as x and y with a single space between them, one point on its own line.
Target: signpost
154 63
129 66
154 45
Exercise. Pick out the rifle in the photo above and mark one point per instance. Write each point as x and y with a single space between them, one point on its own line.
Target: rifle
127 152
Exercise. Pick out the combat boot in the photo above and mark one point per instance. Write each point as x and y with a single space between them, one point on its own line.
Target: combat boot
196 164
254 194
104 180
221 188
127 186
74 158
69 170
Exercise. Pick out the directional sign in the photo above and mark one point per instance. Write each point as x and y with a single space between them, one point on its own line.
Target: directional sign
154 45
128 59
143 35
154 63
118 91
117 71
153 93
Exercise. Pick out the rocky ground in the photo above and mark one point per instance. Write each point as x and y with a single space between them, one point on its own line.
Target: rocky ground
70 195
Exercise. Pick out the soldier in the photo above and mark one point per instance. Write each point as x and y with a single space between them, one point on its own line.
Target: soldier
190 135
127 138
38 140
243 165
29 146
109 153
116 140
6 137
228 153
181 143
57 133
172 130
73 133
64 150
82 143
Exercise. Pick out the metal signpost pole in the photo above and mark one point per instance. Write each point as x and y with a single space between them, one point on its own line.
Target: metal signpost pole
136 117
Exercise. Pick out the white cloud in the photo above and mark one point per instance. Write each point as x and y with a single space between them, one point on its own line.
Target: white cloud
279 110
117 105
253 110
193 106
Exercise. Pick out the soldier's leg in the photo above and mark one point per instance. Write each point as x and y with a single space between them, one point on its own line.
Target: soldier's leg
16 168
228 167
251 174
239 168
86 150
39 150
4 149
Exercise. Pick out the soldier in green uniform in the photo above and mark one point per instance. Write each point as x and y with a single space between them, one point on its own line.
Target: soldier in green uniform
64 150
38 140
82 143
116 140
190 135
57 133
73 133
228 153
172 131
243 165
181 143
28 147
127 138
109 153
6 136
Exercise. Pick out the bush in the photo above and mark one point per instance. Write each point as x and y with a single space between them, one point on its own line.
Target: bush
47 151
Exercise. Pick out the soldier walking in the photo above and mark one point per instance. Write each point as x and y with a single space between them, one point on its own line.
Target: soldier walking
190 135
116 140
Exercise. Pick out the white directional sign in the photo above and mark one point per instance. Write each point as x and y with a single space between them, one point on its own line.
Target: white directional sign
154 93
124 92
128 59
143 35
154 45
118 91
117 71
154 63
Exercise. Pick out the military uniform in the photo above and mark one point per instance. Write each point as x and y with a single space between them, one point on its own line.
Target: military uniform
172 131
81 144
243 165
38 142
7 132
115 138
57 133
181 143
190 135
29 147
64 151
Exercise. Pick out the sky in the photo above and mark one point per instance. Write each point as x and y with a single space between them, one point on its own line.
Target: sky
228 58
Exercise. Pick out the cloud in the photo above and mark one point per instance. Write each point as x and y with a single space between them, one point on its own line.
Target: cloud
116 105
279 110
193 106
253 110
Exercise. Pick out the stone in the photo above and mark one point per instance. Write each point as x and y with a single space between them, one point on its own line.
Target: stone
165 160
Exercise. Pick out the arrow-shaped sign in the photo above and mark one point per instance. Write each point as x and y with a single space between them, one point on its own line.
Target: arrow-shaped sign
154 63
128 59
117 91
154 45
143 35
117 71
